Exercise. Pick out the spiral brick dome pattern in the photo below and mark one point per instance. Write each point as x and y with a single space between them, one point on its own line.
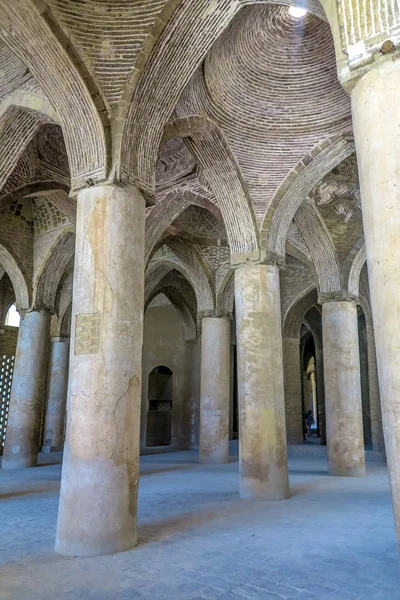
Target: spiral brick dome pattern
270 82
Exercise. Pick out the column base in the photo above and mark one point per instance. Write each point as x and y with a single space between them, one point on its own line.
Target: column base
19 463
346 471
87 550
46 449
251 489
215 459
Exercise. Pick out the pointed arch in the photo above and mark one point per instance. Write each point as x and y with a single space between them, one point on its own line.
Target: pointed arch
226 294
182 38
355 272
180 303
296 312
211 150
186 261
31 32
17 273
167 210
52 269
321 248
294 190
17 129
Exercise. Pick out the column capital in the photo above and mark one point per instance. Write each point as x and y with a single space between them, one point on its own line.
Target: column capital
109 188
337 296
366 34
270 266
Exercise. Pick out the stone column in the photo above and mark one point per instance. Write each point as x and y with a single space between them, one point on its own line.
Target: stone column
27 392
374 395
57 383
292 381
98 498
214 390
319 375
344 424
262 431
375 101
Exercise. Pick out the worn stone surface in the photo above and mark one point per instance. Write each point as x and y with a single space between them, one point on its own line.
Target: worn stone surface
27 392
229 117
56 397
263 459
102 443
164 344
377 147
293 392
215 390
199 540
344 425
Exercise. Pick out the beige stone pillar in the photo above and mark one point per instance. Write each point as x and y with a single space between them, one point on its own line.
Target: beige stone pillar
57 383
27 392
343 408
376 120
319 372
262 431
98 498
378 443
292 381
214 390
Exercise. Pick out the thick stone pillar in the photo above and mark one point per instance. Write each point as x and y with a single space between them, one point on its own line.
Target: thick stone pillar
344 424
57 383
98 498
319 375
292 381
376 102
214 390
262 431
27 392
374 395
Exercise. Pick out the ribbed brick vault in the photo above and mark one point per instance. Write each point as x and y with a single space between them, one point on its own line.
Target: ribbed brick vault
227 115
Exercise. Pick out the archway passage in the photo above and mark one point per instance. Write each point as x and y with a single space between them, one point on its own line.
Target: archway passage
160 395
310 399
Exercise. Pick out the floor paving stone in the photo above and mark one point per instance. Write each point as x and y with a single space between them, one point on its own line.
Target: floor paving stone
333 539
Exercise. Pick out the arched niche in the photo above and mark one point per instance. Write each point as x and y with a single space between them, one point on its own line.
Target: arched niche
160 389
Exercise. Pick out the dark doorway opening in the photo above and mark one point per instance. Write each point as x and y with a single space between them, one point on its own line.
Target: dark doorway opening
159 414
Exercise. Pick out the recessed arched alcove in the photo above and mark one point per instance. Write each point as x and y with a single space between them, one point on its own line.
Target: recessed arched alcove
160 397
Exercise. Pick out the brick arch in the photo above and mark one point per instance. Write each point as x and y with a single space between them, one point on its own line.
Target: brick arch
34 103
35 188
167 210
65 322
18 275
355 272
186 261
294 190
18 128
296 312
52 269
180 303
322 249
36 39
181 39
7 296
211 150
226 294
64 289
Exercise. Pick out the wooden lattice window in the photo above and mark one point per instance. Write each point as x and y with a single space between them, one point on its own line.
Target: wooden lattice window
6 374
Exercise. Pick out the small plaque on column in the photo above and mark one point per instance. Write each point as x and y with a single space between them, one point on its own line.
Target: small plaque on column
87 333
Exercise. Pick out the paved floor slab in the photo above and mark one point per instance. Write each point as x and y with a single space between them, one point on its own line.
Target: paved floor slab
333 539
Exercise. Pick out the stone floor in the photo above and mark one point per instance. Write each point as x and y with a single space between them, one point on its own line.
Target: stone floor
333 539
